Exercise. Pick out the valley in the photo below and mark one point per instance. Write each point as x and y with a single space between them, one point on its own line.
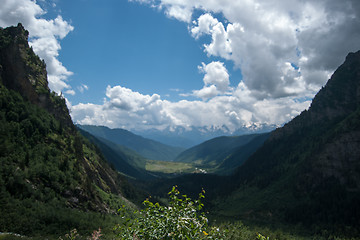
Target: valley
176 168
299 181
211 156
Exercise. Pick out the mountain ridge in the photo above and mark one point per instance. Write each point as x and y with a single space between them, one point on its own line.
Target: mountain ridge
192 136
215 154
312 162
51 178
124 160
23 71
148 148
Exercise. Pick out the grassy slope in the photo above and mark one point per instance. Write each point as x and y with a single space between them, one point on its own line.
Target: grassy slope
169 167
240 154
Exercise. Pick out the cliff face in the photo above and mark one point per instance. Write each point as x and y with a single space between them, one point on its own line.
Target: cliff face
23 71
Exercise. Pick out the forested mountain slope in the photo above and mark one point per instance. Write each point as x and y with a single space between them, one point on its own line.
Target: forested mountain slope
121 158
51 178
308 171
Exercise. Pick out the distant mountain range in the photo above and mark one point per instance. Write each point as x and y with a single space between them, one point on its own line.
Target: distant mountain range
189 137
129 153
217 154
123 159
147 148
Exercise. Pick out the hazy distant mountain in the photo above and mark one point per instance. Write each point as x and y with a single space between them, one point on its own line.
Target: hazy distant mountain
186 138
216 154
122 158
148 148
241 153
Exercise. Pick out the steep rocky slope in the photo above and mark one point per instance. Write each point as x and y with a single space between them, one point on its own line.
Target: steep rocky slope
22 71
47 168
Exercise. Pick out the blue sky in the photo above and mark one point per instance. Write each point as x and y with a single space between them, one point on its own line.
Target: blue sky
151 54
143 64
112 45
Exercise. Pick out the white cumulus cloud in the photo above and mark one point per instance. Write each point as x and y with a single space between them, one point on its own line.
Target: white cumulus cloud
128 109
216 80
262 36
216 74
82 88
44 37
285 50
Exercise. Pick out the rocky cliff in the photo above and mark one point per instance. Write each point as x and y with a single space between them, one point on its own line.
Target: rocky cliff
23 71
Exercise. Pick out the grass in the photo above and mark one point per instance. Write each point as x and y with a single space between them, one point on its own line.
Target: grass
169 167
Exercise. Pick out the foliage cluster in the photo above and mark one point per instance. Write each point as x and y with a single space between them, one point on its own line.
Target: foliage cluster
181 219
34 150
42 173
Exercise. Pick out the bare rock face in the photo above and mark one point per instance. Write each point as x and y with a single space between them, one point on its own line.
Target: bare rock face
17 72
22 70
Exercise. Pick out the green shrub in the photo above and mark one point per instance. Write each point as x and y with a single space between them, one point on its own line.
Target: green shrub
181 219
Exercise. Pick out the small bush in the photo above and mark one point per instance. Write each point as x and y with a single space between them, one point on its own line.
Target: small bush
182 219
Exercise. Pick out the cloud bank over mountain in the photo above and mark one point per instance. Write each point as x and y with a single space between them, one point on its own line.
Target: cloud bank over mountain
285 51
125 108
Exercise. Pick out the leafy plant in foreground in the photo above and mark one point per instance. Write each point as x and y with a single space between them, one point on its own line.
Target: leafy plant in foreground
181 219
261 237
